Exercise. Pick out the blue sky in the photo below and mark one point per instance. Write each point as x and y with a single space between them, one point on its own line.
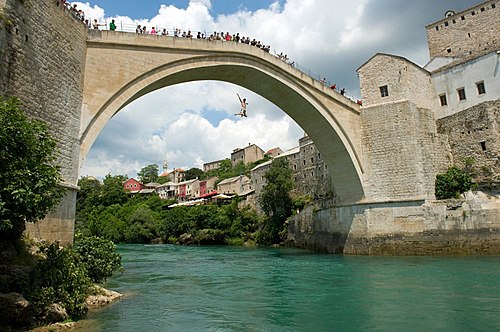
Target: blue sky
149 8
193 123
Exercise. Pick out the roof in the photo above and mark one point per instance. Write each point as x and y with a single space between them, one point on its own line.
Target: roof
168 184
269 162
233 179
290 152
479 5
392 56
462 60
187 182
146 191
152 185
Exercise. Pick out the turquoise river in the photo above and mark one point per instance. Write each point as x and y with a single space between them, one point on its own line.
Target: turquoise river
219 288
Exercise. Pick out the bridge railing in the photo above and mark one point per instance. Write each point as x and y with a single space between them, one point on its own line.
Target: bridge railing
171 31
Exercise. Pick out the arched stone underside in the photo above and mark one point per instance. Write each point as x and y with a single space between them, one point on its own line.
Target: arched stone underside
117 73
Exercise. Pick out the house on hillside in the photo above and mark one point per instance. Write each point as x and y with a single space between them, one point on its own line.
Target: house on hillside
247 154
189 189
175 176
274 152
212 165
133 186
235 185
167 190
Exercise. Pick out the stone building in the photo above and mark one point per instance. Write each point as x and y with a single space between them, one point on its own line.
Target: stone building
457 88
248 154
235 185
212 165
468 32
309 171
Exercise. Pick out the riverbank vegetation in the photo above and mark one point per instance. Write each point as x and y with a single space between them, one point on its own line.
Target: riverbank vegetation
106 210
39 282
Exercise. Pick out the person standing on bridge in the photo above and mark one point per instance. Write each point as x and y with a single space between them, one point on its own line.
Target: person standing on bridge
112 25
243 112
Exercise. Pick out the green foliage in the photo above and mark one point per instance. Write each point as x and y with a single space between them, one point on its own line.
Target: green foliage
98 256
112 191
65 275
59 278
193 173
148 173
276 202
452 183
29 179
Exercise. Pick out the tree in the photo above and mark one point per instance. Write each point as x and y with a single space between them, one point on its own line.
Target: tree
452 183
149 173
275 201
193 173
112 191
29 178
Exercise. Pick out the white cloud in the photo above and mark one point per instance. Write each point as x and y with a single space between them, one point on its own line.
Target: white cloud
195 123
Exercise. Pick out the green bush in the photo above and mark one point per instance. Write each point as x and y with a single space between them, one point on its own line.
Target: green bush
98 256
65 275
59 277
452 183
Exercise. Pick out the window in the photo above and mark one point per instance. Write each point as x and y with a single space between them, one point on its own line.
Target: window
481 90
294 167
442 99
384 91
463 18
304 161
493 5
448 50
437 28
473 13
461 94
312 160
482 9
446 23
483 146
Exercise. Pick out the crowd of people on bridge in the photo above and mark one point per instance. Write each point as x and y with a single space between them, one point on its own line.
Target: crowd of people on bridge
226 37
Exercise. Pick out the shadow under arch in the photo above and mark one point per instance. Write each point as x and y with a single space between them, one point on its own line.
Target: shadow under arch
271 82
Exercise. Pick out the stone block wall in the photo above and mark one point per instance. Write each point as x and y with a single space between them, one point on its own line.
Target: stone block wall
466 33
470 225
404 81
475 133
402 152
42 58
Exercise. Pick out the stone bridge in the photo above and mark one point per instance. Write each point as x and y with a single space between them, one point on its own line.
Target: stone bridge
121 67
383 157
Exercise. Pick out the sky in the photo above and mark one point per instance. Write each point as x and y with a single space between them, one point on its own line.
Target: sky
193 123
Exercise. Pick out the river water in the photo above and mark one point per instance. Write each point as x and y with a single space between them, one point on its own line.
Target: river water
221 288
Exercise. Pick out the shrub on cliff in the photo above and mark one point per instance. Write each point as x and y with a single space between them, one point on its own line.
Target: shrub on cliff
452 183
29 179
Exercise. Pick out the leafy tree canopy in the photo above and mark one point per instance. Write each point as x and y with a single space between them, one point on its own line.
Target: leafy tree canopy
149 173
452 183
193 173
29 178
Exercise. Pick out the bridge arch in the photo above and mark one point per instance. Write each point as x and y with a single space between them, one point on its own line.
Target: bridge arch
121 67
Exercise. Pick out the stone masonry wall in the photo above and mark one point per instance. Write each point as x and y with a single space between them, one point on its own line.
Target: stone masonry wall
475 133
404 80
402 152
42 57
470 225
466 33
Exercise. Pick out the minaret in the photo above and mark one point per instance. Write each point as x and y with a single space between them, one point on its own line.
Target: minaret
165 165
